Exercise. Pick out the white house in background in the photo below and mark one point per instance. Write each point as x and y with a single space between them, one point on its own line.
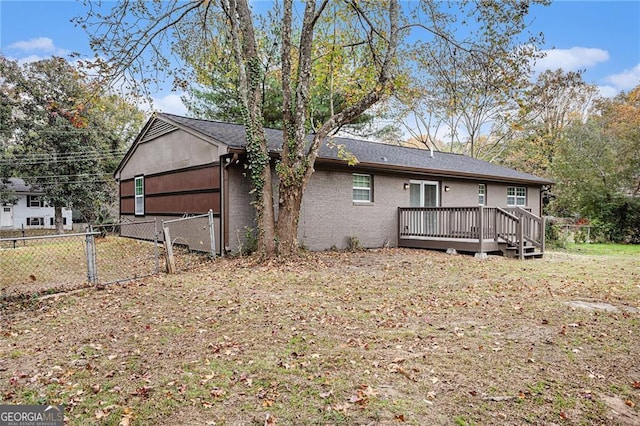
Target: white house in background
30 211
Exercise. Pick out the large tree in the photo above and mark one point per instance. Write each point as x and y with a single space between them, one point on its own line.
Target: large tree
596 167
621 117
65 135
345 53
470 77
550 104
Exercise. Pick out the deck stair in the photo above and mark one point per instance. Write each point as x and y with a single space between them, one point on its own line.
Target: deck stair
519 233
513 251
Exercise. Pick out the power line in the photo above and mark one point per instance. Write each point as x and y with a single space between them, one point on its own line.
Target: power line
117 151
68 176
64 158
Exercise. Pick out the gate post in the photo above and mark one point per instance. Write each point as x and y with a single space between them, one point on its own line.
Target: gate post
212 235
155 245
92 276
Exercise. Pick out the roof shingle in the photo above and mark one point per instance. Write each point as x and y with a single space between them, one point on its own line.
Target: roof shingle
368 153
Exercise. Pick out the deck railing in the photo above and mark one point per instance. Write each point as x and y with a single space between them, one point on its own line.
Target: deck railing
515 226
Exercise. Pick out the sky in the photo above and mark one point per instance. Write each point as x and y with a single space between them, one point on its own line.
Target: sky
600 37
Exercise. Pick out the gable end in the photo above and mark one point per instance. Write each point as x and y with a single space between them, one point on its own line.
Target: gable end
158 128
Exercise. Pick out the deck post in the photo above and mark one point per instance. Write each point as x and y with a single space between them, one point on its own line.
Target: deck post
520 235
480 226
399 225
543 237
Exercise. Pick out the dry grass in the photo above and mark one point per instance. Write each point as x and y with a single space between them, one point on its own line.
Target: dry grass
378 337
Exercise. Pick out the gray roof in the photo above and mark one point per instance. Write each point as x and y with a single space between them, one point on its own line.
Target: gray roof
18 185
370 154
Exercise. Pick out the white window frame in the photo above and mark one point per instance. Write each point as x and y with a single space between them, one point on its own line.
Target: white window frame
34 201
424 183
482 194
138 197
369 188
516 196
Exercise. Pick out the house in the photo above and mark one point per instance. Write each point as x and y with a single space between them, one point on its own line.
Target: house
394 196
30 211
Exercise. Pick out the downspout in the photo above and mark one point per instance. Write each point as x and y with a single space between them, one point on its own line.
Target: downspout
225 161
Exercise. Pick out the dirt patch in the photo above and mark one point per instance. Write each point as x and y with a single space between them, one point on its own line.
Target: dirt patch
621 411
600 306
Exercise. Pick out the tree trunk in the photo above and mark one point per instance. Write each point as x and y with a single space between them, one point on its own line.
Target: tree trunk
58 220
266 217
288 217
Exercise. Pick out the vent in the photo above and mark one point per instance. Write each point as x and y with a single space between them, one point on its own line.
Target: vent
158 128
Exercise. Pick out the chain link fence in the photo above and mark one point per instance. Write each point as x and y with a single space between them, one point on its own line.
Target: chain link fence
42 264
126 251
37 265
192 240
104 254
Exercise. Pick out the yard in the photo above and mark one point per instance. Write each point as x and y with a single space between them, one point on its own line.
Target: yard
391 336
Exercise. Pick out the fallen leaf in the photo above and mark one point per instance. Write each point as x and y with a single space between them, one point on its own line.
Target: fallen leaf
217 392
326 395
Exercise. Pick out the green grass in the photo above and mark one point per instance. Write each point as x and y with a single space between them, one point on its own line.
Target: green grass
604 249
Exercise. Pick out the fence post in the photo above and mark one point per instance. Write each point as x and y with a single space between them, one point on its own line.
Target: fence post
212 234
92 276
171 263
155 246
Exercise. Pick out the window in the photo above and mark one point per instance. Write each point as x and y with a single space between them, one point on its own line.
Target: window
139 195
516 196
35 221
362 188
64 221
34 201
482 194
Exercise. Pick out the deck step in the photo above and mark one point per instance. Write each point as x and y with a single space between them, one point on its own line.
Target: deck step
511 251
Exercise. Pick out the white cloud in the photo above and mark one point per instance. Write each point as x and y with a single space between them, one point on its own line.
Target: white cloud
171 104
40 44
43 44
608 91
628 79
571 59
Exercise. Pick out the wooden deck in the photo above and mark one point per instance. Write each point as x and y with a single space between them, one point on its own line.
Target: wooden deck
513 232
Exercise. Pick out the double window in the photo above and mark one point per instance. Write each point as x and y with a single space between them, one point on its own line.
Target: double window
35 221
516 196
362 188
139 195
